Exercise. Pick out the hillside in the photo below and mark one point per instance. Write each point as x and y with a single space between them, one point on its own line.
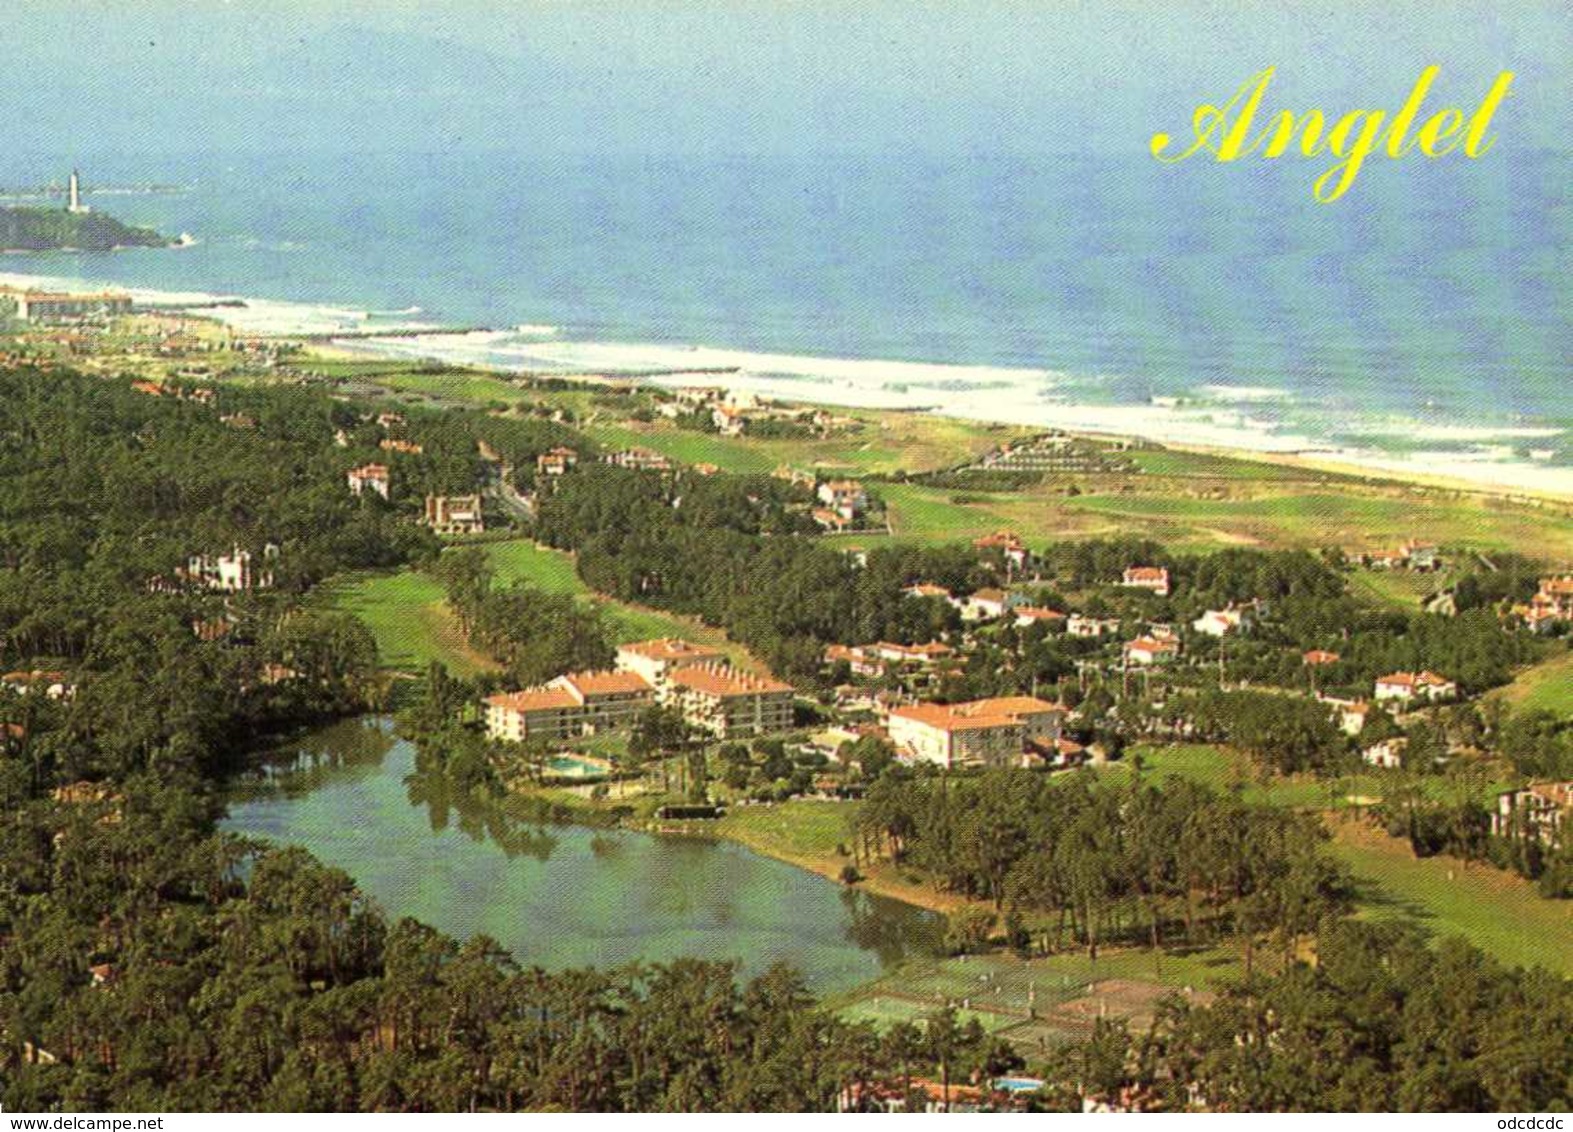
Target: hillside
46 229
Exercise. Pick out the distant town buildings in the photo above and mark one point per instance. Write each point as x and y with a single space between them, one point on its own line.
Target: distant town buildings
847 498
52 306
1220 622
986 604
1411 555
1387 755
1551 606
876 659
653 660
53 685
1027 615
1077 625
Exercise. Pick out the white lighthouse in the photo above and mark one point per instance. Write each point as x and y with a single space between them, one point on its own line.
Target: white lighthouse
74 203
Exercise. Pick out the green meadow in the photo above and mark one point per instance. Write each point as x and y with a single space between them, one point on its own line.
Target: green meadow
408 615
1496 911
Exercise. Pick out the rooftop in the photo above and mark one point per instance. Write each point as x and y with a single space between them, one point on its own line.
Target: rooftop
605 683
976 715
669 648
718 680
534 699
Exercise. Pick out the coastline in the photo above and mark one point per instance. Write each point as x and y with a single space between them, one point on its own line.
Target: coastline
1232 426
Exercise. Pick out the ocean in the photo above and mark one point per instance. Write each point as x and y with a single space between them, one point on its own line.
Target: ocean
1425 320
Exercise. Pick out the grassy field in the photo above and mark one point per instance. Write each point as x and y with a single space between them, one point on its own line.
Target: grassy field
806 834
407 614
1547 686
1496 911
410 620
553 571
520 560
1227 771
1272 511
886 442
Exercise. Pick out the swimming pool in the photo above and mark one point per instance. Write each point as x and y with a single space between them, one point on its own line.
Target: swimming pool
578 766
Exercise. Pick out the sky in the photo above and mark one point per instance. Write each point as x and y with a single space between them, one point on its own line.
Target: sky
668 78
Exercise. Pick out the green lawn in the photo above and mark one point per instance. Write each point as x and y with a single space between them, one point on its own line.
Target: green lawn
1225 771
409 618
1496 911
796 831
1547 686
407 614
521 560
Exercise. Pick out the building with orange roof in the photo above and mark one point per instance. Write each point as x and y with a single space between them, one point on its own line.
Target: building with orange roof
556 462
1036 615
1408 686
369 476
1147 651
653 659
1008 543
927 653
726 703
1153 578
994 731
579 703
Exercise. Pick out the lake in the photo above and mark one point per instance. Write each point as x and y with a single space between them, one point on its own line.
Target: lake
562 896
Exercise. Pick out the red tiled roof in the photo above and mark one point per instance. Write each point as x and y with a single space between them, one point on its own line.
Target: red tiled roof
534 699
606 683
1412 680
976 715
1320 656
1146 574
1148 644
670 648
717 680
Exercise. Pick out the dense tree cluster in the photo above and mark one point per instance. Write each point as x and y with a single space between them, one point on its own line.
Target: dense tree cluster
1110 861
534 635
1381 1022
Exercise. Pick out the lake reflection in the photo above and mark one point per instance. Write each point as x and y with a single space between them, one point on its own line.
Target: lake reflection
561 895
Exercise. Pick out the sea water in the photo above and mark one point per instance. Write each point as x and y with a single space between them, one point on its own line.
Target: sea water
1425 318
